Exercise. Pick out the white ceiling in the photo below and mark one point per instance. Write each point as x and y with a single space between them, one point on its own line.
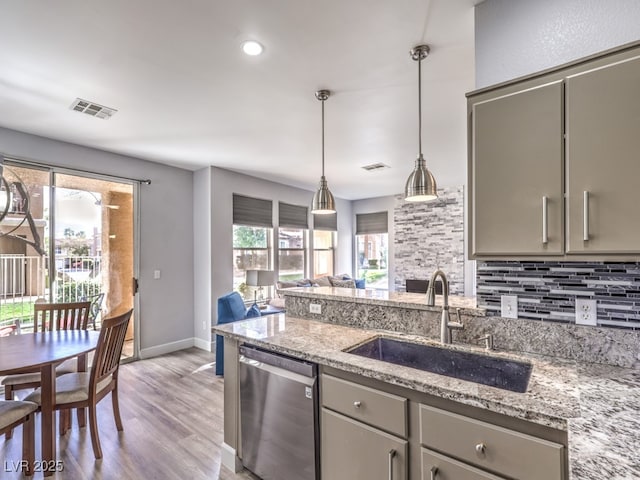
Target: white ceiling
187 96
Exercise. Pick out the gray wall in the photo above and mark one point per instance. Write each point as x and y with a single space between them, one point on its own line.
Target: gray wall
216 277
519 37
166 232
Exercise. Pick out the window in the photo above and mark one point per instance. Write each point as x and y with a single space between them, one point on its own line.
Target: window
372 249
251 251
292 241
292 254
252 240
323 252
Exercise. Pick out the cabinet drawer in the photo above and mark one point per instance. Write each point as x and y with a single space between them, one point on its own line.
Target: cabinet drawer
498 449
380 409
439 467
351 450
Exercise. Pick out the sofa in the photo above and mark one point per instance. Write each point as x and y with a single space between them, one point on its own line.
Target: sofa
231 308
343 281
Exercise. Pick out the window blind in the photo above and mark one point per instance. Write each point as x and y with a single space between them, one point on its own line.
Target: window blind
253 212
370 223
326 222
293 216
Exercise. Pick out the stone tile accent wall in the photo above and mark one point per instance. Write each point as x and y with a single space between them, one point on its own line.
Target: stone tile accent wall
430 235
547 290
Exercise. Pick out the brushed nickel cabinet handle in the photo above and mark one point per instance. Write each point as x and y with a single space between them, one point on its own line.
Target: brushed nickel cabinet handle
357 404
585 205
392 454
545 219
481 449
434 472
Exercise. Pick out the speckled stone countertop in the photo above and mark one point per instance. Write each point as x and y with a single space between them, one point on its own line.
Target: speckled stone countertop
418 301
597 405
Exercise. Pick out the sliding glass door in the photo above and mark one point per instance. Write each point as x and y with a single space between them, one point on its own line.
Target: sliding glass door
65 238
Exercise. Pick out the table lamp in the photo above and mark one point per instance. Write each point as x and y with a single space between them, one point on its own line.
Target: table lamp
260 279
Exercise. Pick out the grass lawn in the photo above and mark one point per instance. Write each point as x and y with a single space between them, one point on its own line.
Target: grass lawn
10 311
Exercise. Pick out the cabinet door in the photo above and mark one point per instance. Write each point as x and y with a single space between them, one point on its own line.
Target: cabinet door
516 162
351 450
440 467
603 159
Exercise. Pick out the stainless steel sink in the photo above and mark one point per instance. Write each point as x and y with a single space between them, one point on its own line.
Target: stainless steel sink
474 367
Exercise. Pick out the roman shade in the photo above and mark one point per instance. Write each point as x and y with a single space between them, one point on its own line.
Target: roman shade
253 212
293 216
326 222
370 223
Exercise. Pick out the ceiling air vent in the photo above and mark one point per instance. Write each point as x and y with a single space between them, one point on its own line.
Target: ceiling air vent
375 166
93 109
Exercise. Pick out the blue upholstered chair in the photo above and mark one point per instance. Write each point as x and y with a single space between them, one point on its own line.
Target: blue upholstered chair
230 309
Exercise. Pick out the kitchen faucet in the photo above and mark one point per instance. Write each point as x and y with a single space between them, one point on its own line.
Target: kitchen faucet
446 325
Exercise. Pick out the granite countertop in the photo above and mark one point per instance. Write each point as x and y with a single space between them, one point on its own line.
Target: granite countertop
596 404
418 301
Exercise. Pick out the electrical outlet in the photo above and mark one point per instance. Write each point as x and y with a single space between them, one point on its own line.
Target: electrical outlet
509 306
315 308
586 312
156 274
204 324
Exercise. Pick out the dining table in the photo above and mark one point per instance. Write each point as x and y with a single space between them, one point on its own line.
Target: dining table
42 352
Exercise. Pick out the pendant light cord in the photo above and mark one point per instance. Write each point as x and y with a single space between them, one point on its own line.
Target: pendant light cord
420 106
323 138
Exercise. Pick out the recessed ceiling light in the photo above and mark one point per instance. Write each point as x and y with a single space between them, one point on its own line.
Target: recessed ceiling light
251 47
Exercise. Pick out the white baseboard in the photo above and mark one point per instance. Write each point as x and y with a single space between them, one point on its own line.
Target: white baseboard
229 459
166 348
207 345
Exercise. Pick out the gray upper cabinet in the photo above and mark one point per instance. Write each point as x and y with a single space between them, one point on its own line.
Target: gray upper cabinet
516 173
603 159
554 163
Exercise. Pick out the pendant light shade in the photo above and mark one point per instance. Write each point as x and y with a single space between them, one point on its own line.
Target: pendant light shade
421 184
323 202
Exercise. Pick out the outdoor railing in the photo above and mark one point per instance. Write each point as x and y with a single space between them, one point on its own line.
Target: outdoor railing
24 280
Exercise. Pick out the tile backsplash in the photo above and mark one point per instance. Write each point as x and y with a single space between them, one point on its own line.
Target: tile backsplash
547 290
428 236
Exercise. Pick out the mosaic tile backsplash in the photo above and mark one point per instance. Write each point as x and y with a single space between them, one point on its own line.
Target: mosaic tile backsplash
547 290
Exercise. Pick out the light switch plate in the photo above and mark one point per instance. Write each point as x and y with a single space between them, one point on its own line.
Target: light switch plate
509 306
586 311
315 308
156 274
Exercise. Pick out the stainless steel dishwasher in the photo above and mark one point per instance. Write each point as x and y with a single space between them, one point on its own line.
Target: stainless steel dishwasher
278 415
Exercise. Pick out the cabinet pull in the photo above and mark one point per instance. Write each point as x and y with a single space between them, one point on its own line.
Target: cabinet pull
392 453
357 404
481 449
434 472
545 219
585 202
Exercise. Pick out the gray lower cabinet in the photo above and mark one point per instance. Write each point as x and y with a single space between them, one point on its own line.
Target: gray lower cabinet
441 467
351 450
496 449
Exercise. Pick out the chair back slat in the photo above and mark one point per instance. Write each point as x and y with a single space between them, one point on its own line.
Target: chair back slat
61 316
107 357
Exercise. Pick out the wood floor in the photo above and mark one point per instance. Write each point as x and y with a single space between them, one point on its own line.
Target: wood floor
171 407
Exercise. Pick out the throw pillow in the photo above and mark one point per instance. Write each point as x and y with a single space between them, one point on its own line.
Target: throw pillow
360 283
323 281
252 311
343 283
288 284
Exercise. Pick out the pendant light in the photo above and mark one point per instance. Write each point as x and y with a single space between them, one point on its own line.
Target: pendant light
323 202
421 186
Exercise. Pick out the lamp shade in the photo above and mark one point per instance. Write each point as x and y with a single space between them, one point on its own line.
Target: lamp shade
260 278
421 185
323 202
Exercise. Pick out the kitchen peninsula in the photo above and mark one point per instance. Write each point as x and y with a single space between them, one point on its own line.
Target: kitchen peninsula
586 411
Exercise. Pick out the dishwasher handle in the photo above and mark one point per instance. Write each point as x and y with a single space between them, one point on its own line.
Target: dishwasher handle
283 362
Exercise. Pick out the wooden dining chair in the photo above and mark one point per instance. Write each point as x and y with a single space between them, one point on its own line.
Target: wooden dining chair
12 414
86 389
49 317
